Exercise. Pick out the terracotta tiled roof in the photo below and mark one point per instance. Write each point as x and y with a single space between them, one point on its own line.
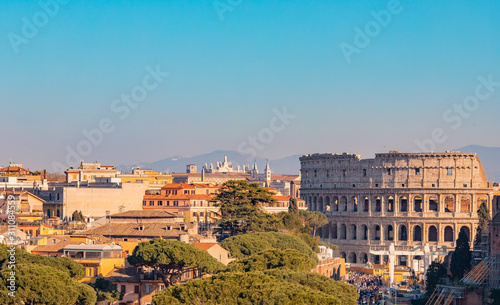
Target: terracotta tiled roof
149 230
204 246
124 275
56 247
170 186
144 214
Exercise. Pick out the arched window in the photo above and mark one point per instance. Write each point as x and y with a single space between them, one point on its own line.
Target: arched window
465 204
354 232
417 204
344 203
403 204
390 204
433 204
466 230
320 204
343 233
352 258
449 204
403 235
354 204
433 236
335 204
334 231
448 234
378 204
364 230
315 202
328 207
417 233
364 258
390 233
367 204
48 213
376 232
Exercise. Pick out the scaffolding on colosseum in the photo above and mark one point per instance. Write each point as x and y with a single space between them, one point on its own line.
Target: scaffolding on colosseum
494 280
444 295
479 274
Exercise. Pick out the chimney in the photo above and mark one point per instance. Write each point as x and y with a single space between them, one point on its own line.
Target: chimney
184 238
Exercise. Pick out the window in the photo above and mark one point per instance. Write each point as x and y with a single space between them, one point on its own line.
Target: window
144 203
123 289
136 289
151 203
389 171
345 173
449 171
220 257
149 288
417 171
364 172
176 203
160 203
161 287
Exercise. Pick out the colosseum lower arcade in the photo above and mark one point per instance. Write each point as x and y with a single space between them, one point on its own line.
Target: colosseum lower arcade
409 199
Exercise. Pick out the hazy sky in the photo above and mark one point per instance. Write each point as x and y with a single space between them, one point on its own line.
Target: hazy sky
354 78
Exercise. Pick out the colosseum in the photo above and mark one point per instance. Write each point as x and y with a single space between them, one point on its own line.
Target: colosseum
409 199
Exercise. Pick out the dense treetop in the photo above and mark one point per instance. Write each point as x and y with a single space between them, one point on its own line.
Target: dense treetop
43 280
274 259
169 258
280 287
242 246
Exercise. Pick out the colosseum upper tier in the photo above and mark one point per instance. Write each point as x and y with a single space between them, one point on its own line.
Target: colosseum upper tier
409 199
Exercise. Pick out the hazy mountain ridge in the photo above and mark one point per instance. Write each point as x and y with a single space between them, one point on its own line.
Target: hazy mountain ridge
287 165
490 158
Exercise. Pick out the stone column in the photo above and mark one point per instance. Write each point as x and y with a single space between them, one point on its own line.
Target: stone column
395 227
455 205
382 205
396 205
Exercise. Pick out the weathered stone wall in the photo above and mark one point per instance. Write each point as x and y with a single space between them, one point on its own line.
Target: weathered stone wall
406 198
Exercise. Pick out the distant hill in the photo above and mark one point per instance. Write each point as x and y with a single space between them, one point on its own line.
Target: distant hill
287 165
490 158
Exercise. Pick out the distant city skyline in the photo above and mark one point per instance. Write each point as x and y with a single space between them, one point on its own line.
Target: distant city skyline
145 81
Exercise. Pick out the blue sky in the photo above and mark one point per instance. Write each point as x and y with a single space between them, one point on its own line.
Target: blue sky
226 77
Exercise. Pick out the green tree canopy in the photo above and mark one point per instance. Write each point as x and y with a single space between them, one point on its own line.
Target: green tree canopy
72 268
461 257
106 290
293 208
242 246
435 272
170 258
40 284
313 219
258 288
484 217
239 204
274 258
43 280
